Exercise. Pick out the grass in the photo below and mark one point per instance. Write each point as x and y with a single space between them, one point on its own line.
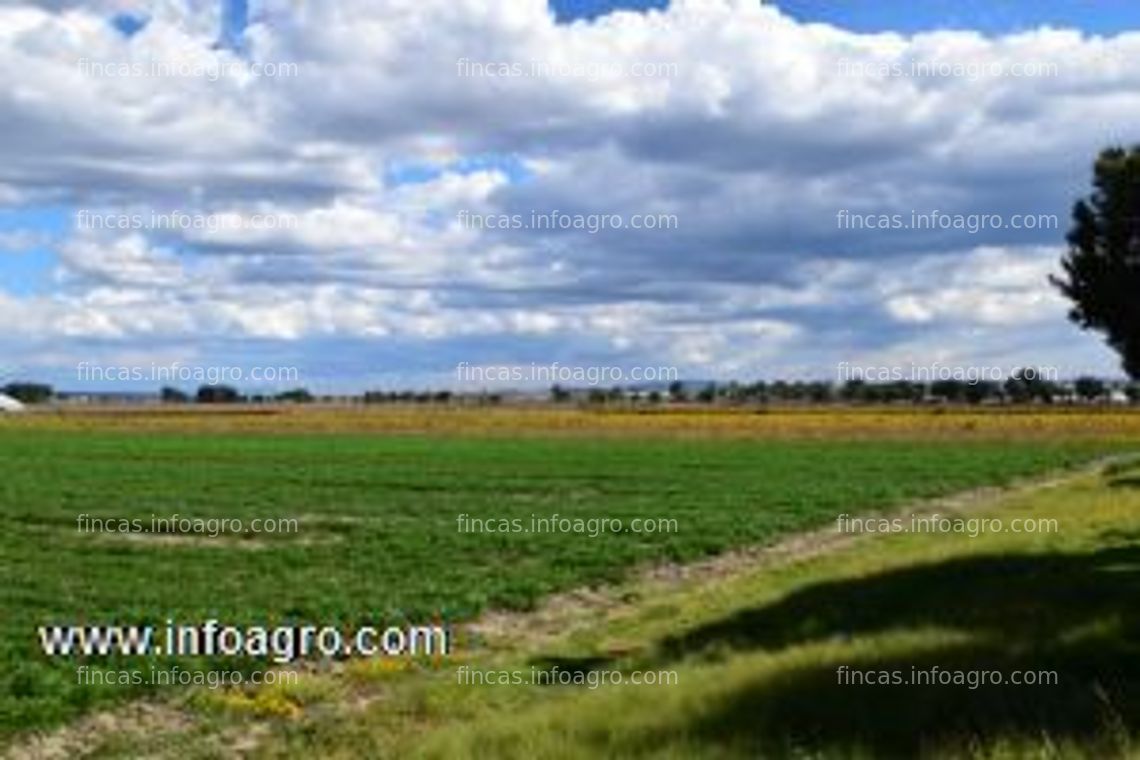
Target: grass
1097 423
378 539
756 657
756 652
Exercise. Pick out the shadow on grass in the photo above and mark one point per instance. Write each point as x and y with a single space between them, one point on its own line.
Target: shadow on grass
1076 614
569 667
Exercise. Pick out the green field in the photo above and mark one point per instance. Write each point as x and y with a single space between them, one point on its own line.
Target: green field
757 655
378 538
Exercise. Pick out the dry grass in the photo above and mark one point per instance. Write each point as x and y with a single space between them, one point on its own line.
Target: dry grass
804 422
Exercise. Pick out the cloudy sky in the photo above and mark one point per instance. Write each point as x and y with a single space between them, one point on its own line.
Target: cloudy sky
324 185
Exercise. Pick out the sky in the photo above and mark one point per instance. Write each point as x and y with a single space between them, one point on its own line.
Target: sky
993 17
425 184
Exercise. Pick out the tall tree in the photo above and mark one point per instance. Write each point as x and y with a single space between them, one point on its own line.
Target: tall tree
29 393
1102 266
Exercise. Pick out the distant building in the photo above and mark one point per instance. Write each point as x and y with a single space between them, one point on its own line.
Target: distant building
9 404
107 398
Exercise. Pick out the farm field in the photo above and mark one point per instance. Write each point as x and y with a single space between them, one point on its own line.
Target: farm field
378 536
545 421
749 661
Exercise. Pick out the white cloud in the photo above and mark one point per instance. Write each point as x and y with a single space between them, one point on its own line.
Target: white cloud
760 131
987 286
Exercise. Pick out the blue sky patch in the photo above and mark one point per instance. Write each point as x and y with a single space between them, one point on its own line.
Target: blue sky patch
988 16
573 10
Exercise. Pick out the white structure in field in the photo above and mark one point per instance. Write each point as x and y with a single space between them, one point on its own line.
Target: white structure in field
9 404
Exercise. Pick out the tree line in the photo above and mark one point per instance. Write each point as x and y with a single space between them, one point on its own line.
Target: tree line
1022 387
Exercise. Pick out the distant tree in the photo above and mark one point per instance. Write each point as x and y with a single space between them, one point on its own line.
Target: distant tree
1102 266
707 395
29 393
296 396
171 395
558 394
443 397
1040 388
798 391
1029 384
758 391
1090 388
217 394
677 391
818 392
981 390
1132 391
596 396
733 392
654 397
854 390
1017 387
950 390
908 391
